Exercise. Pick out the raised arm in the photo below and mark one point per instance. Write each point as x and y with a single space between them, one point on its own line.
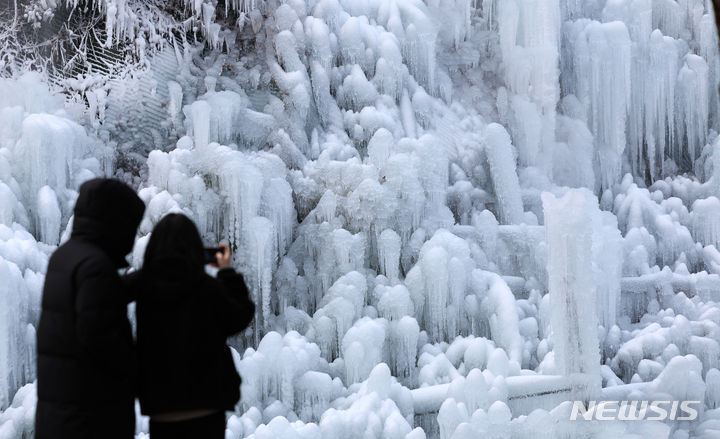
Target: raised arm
236 308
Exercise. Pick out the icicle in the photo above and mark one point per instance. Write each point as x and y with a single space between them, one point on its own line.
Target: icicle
502 169
362 348
261 259
607 253
389 254
693 102
404 335
48 216
602 78
13 307
529 41
277 206
705 218
435 272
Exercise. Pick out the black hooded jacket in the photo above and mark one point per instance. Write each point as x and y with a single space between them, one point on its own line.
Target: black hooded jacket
86 366
184 317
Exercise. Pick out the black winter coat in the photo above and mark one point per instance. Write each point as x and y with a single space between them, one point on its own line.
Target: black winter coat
184 361
85 348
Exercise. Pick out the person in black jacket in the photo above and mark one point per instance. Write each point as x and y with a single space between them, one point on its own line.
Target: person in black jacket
187 379
86 364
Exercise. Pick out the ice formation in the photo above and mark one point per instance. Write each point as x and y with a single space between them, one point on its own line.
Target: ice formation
572 287
454 216
44 156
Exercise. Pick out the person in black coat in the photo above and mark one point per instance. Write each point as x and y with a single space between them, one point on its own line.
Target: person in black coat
187 378
86 364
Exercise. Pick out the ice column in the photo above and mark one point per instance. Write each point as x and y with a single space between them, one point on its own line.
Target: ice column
438 285
708 49
435 267
363 347
601 63
13 310
573 319
404 335
389 246
529 40
44 154
501 159
607 264
705 221
261 260
48 216
651 128
693 103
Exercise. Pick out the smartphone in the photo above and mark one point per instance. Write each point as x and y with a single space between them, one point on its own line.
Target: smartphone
210 254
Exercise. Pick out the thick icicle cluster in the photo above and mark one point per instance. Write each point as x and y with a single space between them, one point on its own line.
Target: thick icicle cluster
646 73
529 42
44 157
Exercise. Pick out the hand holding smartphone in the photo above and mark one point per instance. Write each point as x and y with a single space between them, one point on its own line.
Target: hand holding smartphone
219 256
209 254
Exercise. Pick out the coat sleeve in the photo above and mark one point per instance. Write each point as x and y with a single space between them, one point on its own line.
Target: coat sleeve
102 326
131 286
236 310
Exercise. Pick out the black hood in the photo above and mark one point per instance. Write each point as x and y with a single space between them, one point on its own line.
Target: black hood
107 213
174 254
